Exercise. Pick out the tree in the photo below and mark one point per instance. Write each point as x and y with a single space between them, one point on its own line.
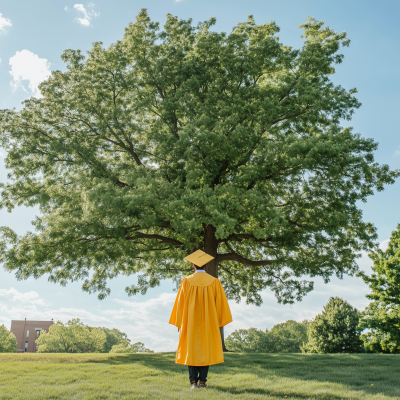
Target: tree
73 337
185 139
114 337
249 341
335 330
289 336
282 338
133 348
381 319
8 342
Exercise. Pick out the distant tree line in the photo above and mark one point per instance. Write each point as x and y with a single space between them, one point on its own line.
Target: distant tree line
287 337
75 337
335 330
341 328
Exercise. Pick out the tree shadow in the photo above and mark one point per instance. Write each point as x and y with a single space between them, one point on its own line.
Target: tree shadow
355 371
374 373
277 393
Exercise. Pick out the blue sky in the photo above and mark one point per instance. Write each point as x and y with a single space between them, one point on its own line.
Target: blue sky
33 34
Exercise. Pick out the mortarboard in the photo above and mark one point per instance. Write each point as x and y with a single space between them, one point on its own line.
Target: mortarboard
199 258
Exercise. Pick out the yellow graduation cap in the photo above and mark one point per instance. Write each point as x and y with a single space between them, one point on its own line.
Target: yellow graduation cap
199 258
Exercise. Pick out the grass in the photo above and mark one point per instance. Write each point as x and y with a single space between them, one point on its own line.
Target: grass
242 376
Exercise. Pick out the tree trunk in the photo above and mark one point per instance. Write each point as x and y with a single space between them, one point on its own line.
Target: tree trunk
211 248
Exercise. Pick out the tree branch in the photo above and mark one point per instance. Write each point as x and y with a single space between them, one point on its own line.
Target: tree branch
240 236
243 260
162 239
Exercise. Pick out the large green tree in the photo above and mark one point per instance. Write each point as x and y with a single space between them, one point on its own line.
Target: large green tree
182 139
8 341
381 319
335 330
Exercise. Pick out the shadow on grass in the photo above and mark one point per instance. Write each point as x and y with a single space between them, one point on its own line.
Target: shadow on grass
277 394
355 372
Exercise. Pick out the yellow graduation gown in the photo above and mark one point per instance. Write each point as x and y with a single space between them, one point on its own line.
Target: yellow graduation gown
200 309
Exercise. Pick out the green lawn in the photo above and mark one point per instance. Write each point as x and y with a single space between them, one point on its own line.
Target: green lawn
242 376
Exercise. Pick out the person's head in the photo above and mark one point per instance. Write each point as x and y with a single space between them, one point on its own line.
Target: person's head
201 268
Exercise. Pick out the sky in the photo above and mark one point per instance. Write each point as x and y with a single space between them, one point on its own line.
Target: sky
33 35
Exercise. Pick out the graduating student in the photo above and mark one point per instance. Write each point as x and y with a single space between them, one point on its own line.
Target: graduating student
200 309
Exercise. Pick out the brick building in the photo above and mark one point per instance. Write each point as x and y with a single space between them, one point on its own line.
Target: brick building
27 332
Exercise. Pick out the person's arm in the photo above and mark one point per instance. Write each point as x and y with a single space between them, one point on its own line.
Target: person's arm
222 305
176 314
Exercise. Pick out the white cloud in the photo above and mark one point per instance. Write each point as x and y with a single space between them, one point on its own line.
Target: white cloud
384 245
397 153
17 298
147 321
66 8
4 22
26 65
87 14
29 305
1 154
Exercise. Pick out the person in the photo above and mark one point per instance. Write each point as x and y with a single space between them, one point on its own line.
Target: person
200 310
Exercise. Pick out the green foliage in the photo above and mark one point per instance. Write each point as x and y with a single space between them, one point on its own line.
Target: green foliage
248 341
381 319
335 330
185 138
282 338
8 342
289 336
73 337
114 337
134 348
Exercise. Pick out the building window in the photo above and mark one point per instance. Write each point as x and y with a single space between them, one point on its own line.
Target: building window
26 346
38 332
27 334
37 346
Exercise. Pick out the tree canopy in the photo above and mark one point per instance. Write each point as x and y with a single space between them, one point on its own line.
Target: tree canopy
76 337
138 347
335 330
185 138
8 341
114 337
381 319
250 340
72 337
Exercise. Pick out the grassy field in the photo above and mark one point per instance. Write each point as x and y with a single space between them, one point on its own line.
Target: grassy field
242 376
